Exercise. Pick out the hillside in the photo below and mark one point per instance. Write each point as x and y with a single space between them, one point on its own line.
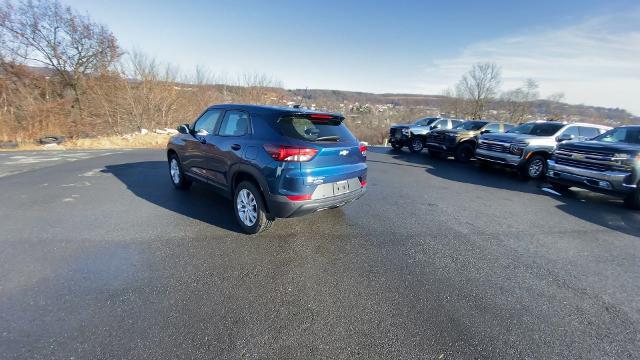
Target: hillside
436 103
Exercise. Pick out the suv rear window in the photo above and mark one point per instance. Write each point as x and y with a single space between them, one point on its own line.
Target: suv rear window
302 128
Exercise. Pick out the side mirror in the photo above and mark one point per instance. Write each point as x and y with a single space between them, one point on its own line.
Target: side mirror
485 131
433 127
183 129
565 137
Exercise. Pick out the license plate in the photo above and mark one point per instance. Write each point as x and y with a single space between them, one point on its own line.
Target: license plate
340 187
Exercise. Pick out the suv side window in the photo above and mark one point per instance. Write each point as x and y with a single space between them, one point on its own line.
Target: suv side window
508 127
493 128
234 123
588 132
455 123
441 124
572 130
207 122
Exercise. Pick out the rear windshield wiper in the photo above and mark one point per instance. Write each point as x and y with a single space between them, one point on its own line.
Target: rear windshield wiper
328 138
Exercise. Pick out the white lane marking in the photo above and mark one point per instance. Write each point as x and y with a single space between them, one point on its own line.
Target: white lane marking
94 172
551 191
68 200
80 184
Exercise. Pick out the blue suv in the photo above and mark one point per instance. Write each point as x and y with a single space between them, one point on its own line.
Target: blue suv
273 162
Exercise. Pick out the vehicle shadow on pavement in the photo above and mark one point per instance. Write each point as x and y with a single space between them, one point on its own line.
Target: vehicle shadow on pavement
150 181
602 210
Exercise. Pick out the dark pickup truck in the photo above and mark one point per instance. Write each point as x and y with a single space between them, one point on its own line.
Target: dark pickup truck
413 135
461 141
609 163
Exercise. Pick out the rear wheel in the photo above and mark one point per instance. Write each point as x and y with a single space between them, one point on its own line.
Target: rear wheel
416 145
249 209
632 200
178 179
464 152
536 167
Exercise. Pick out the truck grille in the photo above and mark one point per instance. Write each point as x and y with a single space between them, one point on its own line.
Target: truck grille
395 133
436 138
590 160
494 147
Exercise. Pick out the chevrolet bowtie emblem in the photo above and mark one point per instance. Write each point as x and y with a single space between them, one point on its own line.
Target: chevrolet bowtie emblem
344 152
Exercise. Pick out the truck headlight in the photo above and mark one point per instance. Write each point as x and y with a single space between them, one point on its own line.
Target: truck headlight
517 148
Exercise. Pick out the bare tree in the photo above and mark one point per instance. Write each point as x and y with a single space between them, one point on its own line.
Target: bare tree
45 32
554 111
517 102
479 86
454 104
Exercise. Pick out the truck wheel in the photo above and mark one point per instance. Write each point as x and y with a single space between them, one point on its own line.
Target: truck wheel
416 145
464 152
178 179
632 200
249 209
396 146
536 167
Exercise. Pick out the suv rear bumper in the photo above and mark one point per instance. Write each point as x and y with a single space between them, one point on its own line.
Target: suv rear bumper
281 207
603 181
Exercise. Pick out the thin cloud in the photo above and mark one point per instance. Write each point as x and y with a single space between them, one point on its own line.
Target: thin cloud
595 62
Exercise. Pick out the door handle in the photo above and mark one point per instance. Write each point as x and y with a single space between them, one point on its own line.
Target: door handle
235 147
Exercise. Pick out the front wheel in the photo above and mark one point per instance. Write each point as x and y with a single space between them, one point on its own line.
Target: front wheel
464 152
249 209
536 167
416 145
178 179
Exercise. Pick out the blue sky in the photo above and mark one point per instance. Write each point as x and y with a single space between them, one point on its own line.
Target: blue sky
589 49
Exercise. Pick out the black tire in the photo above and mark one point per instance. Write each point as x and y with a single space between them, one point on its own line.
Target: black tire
51 139
436 154
559 187
262 221
632 201
396 146
416 144
180 181
535 168
464 152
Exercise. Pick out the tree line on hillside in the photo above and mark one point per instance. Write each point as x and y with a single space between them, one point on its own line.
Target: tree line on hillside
63 73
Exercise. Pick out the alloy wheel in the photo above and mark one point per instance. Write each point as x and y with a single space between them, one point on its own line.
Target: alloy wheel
174 168
247 207
535 168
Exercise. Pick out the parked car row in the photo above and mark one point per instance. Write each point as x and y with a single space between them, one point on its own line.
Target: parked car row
588 156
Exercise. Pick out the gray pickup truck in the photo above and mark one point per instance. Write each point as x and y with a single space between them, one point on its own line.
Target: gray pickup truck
528 146
610 164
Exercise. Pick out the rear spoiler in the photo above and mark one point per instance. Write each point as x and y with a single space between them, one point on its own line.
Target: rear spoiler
316 117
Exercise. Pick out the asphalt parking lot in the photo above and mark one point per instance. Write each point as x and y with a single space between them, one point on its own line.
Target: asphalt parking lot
101 258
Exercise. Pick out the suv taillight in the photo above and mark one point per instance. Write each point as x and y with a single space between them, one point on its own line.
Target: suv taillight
363 150
290 153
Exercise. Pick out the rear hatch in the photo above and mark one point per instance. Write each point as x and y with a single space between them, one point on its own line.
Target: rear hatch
339 155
